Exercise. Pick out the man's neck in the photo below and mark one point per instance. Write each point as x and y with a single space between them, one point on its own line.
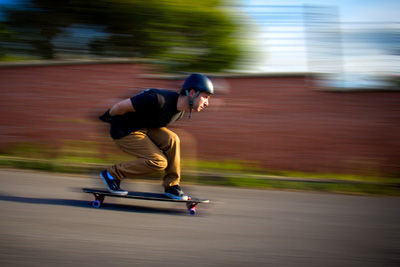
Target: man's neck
182 103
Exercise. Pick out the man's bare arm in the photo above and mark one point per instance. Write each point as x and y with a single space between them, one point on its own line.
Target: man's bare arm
118 109
122 107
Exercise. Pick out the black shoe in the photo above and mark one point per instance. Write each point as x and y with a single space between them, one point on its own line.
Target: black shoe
175 192
112 183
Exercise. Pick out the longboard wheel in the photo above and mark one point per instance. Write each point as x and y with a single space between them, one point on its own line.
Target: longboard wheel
192 208
192 211
96 204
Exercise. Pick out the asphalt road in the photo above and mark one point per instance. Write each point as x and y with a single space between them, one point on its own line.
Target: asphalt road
47 221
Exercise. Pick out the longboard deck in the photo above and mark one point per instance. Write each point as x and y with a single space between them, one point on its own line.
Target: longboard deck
143 195
100 194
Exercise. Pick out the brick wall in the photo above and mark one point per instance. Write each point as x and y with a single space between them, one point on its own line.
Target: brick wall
278 121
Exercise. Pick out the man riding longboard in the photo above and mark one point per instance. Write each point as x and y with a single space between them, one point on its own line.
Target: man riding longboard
138 127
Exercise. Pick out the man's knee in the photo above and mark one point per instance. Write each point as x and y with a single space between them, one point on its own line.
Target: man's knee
174 139
157 163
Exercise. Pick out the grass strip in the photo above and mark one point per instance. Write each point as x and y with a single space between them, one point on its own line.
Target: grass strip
387 187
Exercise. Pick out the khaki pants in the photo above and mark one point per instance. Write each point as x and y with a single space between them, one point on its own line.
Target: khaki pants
155 149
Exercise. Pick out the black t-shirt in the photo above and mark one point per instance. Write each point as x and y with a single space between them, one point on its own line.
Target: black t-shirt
153 108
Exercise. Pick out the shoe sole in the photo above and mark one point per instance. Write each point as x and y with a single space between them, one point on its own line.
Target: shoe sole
110 190
175 197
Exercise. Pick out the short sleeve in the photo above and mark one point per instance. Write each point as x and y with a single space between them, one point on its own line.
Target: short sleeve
144 101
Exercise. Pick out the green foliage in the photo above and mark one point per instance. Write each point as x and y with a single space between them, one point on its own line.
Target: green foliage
184 35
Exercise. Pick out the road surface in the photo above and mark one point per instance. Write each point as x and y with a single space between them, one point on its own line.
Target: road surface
47 221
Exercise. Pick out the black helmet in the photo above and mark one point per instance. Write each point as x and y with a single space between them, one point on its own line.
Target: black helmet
198 82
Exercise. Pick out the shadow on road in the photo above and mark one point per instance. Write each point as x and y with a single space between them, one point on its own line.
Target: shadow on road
87 204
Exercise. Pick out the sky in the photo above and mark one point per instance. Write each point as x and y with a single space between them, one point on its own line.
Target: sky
349 10
285 45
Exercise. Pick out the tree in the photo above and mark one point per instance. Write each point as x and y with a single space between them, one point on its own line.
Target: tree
4 38
181 34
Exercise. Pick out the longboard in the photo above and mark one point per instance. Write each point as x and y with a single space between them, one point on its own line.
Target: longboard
100 194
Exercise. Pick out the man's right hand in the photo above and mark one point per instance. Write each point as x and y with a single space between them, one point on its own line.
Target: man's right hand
106 117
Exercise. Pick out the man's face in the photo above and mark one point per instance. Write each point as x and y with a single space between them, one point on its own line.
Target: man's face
201 101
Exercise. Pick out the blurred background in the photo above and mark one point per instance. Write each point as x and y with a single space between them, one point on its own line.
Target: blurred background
302 87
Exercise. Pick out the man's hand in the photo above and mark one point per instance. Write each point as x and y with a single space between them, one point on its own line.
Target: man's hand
106 117
118 109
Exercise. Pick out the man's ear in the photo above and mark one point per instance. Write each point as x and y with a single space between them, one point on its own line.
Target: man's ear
192 92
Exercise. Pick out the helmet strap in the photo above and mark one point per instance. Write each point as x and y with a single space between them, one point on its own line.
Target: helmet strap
191 101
